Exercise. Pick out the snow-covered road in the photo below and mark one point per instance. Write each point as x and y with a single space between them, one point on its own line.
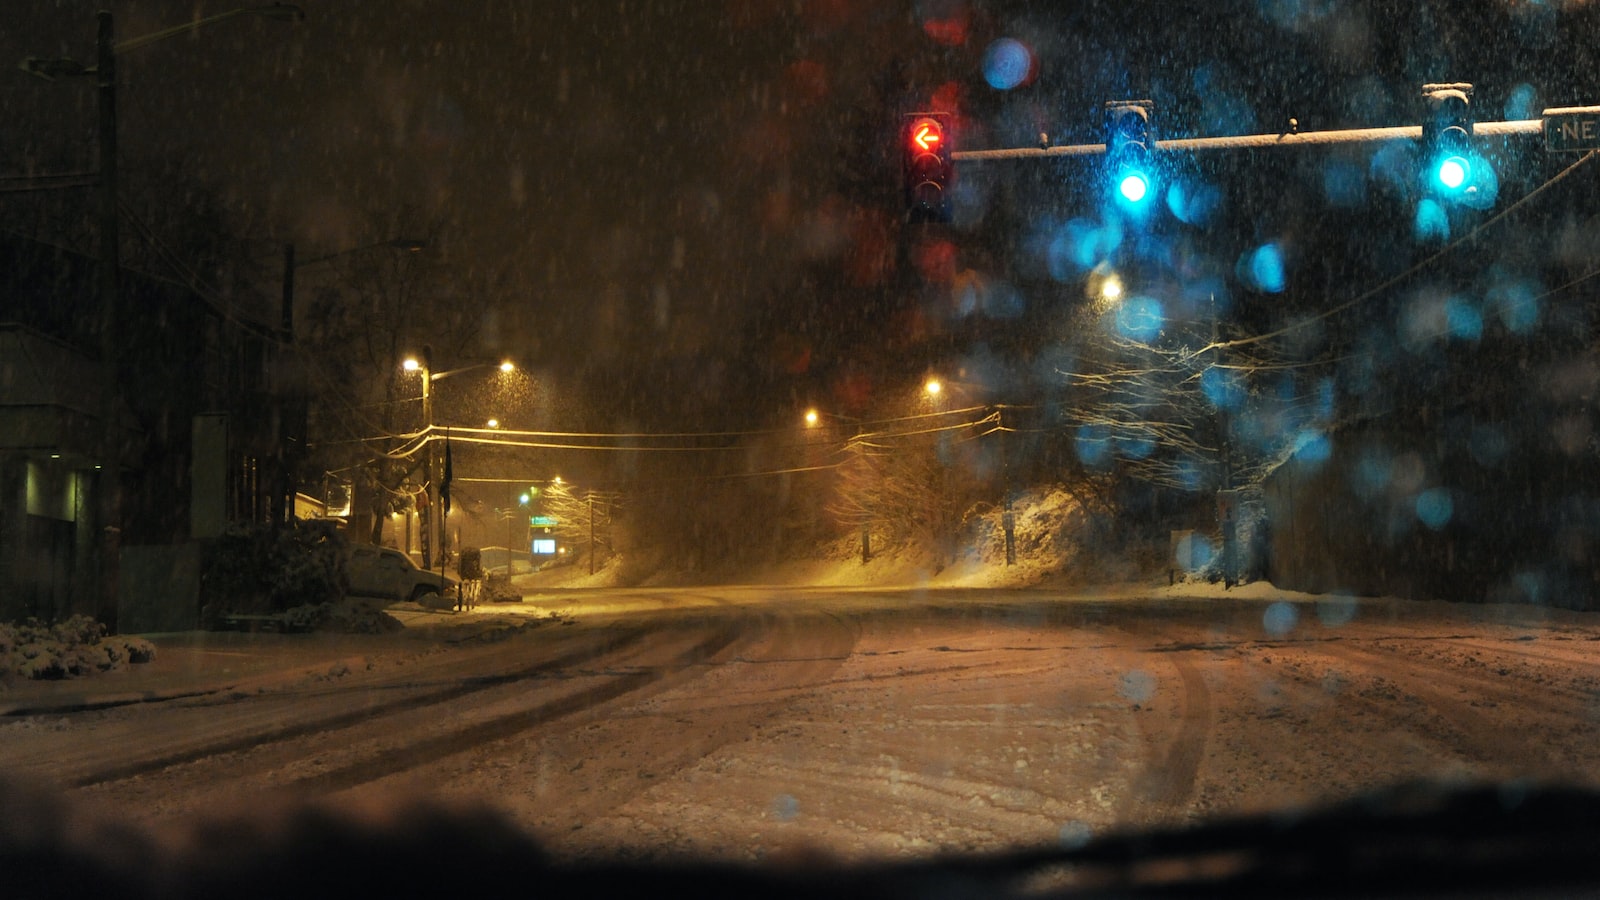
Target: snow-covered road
741 723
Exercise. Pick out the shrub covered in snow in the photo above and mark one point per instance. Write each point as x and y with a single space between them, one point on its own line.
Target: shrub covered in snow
269 569
66 649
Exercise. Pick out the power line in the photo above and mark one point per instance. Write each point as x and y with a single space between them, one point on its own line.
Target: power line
1451 247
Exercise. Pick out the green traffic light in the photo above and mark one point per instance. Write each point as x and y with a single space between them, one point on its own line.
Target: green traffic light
1134 187
1453 172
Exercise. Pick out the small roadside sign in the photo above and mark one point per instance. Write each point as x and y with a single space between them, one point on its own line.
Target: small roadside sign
1572 130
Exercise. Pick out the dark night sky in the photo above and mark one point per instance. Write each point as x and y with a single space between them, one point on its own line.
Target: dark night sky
694 199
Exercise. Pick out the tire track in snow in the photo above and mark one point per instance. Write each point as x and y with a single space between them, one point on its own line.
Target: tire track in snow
420 753
254 739
1170 783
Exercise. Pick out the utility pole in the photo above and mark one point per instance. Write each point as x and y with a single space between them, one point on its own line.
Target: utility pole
110 506
428 487
1226 511
1007 520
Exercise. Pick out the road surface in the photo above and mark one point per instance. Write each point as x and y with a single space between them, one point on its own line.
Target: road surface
738 723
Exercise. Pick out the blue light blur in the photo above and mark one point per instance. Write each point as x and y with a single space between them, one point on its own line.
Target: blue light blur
1223 387
1190 475
1394 167
1194 552
785 807
1194 203
1432 224
1093 444
1516 301
1296 15
1137 686
1007 64
1135 446
1327 395
1312 446
1435 507
1074 835
1371 472
1262 269
1336 609
1140 319
1280 619
1344 184
1004 301
1463 319
1523 103
1079 246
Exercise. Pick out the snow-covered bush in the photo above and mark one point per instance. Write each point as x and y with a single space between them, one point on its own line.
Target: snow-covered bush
256 569
66 649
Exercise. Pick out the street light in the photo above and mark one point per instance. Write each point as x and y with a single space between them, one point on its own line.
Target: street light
423 365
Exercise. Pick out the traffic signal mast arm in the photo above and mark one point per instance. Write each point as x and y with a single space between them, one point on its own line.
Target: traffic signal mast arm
1288 139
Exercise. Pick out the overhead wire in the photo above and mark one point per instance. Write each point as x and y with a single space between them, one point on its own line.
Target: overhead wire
1447 249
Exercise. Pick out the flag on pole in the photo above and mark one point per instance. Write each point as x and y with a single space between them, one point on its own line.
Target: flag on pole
444 483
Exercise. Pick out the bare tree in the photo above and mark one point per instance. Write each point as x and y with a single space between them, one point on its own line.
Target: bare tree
1180 409
915 480
583 518
369 311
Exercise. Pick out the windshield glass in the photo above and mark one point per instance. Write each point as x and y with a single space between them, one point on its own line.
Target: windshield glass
728 430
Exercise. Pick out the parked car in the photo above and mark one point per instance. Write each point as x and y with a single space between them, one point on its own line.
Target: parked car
387 574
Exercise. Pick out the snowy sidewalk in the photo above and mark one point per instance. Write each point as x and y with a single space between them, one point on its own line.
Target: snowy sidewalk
188 663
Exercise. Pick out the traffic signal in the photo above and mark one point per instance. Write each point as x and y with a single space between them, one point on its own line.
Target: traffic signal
1451 168
1130 154
928 169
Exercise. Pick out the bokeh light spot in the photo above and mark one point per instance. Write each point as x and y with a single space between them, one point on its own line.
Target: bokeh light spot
1370 476
1344 184
1223 387
1262 269
1140 319
1135 446
1079 246
1280 619
1008 64
1336 610
1074 835
785 807
1463 319
1094 446
1435 507
1516 301
1431 223
1193 203
1194 552
1312 446
1522 103
1137 686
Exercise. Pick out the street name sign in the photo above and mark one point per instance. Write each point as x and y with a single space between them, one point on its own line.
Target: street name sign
1572 130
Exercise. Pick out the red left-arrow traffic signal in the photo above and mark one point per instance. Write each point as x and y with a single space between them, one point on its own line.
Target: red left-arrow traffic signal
928 169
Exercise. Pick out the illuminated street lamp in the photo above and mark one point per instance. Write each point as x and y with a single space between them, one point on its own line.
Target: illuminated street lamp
423 365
